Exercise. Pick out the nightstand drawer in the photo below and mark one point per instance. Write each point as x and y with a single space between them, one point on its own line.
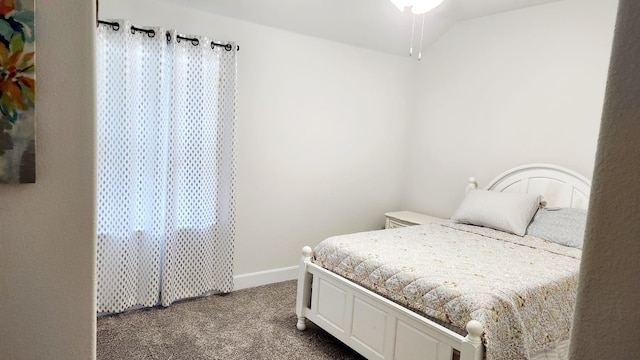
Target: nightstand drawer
398 219
395 223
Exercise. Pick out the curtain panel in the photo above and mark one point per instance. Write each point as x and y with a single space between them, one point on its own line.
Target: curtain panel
165 167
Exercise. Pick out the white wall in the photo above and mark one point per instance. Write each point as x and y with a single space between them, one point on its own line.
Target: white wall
504 90
321 132
47 246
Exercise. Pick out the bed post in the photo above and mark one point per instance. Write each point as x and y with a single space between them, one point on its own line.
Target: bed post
472 185
474 337
304 288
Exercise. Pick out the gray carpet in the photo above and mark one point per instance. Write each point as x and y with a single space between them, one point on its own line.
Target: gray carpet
257 323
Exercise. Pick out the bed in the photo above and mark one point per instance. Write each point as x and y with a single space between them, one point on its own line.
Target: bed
368 289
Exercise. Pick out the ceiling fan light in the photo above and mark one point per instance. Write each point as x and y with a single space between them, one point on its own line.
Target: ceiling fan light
424 6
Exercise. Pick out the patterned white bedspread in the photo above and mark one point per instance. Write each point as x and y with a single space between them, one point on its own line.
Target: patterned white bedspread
522 289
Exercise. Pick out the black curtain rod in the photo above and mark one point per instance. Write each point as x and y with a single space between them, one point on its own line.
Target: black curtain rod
114 25
151 33
194 41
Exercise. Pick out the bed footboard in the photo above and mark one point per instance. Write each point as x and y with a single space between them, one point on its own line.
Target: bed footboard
372 325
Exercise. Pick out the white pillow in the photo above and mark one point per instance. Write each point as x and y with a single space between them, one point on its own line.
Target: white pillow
508 212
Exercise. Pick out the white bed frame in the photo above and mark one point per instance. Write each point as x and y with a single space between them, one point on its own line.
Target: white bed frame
378 328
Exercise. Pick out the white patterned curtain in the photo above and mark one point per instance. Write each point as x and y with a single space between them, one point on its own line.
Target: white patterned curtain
165 139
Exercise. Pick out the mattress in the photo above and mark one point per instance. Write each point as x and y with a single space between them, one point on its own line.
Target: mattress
522 289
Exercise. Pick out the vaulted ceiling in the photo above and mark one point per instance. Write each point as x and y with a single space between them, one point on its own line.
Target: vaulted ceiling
373 24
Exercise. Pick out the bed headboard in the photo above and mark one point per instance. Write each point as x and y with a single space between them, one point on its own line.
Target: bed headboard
558 186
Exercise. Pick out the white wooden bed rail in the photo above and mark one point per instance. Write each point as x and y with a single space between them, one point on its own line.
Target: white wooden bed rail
374 326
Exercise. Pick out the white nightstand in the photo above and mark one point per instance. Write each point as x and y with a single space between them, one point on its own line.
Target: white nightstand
408 218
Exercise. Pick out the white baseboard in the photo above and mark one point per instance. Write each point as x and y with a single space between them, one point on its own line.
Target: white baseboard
259 278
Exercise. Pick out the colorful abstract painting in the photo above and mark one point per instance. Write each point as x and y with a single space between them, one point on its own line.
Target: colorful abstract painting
17 91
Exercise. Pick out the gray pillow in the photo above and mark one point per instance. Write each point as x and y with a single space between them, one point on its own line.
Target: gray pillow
564 226
508 212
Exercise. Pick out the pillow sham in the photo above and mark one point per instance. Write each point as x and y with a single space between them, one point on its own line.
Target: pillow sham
564 226
508 212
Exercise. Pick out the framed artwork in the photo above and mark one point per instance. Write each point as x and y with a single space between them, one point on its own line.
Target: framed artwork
17 91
